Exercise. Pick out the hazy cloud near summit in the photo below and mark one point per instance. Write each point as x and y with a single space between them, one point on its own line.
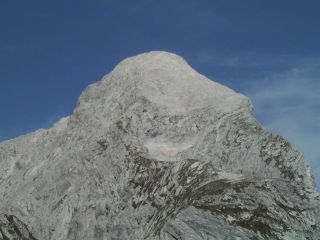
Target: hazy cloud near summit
288 103
284 89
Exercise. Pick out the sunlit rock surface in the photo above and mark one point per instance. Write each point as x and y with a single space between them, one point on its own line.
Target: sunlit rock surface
157 151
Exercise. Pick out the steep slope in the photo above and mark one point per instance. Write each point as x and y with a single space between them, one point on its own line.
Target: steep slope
157 151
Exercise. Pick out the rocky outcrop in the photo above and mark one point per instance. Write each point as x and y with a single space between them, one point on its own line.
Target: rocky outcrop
157 151
12 228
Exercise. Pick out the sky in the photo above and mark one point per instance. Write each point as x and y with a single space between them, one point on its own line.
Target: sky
266 49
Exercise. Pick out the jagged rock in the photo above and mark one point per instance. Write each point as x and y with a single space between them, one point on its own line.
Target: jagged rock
12 228
157 151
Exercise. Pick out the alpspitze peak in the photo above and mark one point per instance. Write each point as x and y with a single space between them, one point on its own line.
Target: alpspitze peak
167 80
154 59
155 150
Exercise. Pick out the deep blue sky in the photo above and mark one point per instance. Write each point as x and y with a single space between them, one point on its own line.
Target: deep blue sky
269 50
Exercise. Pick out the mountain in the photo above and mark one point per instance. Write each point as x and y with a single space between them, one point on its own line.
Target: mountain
156 150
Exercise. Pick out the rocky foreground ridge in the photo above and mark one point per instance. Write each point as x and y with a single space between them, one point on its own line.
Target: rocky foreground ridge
156 151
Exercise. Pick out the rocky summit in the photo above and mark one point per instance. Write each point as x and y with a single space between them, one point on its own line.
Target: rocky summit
156 150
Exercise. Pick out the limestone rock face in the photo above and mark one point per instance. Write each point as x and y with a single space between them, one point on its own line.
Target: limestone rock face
12 228
157 151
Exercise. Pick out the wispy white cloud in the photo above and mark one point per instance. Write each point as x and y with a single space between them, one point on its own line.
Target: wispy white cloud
284 89
240 59
288 103
270 63
51 120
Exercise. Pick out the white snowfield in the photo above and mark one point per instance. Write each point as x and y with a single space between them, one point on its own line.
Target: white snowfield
156 150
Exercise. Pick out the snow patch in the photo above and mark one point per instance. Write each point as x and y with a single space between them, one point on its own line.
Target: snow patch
166 151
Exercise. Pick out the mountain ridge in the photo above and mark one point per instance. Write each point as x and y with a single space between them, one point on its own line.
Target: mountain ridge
157 151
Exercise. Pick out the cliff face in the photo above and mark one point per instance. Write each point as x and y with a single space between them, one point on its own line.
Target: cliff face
157 151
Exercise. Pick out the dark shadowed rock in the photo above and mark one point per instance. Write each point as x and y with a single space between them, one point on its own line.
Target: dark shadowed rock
12 228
